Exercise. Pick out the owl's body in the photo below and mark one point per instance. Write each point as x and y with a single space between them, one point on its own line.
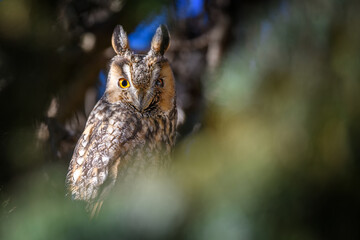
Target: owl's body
131 130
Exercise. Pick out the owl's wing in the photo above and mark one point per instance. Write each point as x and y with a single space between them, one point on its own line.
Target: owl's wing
97 153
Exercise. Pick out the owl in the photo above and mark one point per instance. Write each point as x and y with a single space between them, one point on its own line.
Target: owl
131 130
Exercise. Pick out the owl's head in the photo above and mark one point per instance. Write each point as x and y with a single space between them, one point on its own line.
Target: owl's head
144 82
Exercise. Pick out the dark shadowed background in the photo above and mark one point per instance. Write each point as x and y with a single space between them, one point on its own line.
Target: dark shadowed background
268 97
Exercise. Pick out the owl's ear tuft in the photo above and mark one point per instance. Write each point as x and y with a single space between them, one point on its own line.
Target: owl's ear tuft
161 40
119 40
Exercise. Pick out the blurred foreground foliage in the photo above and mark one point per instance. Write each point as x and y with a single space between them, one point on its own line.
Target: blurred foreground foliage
277 156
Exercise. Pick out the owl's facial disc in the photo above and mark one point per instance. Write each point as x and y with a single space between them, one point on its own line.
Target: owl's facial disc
146 85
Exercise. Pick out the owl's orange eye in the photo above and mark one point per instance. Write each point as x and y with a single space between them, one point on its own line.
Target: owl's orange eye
123 83
159 82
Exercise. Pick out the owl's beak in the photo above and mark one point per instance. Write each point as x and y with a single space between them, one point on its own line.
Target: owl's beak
143 100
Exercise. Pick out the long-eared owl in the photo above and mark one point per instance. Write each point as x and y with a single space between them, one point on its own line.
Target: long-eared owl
132 127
